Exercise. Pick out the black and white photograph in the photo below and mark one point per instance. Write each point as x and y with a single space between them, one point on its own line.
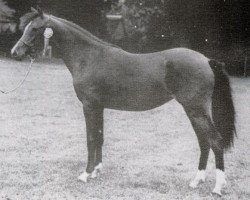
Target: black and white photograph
124 100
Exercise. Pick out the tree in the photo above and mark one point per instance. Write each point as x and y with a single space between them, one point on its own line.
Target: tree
137 17
150 25
10 12
196 24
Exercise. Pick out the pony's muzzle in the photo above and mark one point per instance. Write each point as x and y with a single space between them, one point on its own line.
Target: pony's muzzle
16 56
19 51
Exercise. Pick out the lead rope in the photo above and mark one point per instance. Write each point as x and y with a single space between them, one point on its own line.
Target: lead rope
48 33
32 60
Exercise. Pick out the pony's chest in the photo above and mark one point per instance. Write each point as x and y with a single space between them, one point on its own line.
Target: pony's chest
86 85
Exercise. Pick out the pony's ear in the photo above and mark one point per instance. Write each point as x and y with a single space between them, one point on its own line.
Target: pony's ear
40 11
37 10
33 9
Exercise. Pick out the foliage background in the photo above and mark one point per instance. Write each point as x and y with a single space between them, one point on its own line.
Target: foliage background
218 28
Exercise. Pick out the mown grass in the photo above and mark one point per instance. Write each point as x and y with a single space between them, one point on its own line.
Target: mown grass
147 155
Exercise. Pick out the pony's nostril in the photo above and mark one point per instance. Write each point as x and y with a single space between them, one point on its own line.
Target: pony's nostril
15 55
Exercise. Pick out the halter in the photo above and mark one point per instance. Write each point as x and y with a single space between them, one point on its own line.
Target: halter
48 33
26 44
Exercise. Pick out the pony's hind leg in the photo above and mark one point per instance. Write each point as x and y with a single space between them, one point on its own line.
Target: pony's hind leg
207 136
220 174
199 121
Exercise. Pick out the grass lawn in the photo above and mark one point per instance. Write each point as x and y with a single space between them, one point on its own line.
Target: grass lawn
147 155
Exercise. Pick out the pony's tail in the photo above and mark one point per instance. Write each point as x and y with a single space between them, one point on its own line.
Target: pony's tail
223 112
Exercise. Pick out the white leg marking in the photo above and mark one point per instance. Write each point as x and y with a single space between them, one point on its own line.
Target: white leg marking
97 170
94 174
220 181
200 177
99 167
84 177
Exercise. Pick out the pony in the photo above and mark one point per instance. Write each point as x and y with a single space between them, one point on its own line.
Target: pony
105 76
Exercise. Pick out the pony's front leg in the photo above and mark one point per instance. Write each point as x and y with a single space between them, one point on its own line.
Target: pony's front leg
99 144
92 114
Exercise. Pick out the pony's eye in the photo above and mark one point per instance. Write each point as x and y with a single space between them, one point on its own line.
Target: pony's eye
36 29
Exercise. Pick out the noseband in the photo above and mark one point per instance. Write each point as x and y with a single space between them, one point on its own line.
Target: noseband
26 44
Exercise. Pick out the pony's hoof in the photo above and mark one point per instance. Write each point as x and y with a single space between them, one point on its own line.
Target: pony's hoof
193 184
84 177
217 191
99 167
218 187
97 170
220 182
199 178
94 174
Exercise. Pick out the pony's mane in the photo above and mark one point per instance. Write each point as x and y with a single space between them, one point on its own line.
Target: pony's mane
85 32
25 19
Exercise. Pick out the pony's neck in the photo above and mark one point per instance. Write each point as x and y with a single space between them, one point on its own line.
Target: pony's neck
72 42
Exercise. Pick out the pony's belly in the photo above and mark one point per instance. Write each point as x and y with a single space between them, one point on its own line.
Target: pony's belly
138 102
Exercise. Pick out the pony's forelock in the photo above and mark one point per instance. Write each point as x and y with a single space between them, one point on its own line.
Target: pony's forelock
27 18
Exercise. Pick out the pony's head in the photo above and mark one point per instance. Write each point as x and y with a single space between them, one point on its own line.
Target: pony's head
32 24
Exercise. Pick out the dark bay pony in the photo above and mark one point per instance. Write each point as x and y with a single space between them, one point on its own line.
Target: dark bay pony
105 76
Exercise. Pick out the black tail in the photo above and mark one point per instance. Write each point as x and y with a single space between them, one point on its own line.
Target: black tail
223 112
